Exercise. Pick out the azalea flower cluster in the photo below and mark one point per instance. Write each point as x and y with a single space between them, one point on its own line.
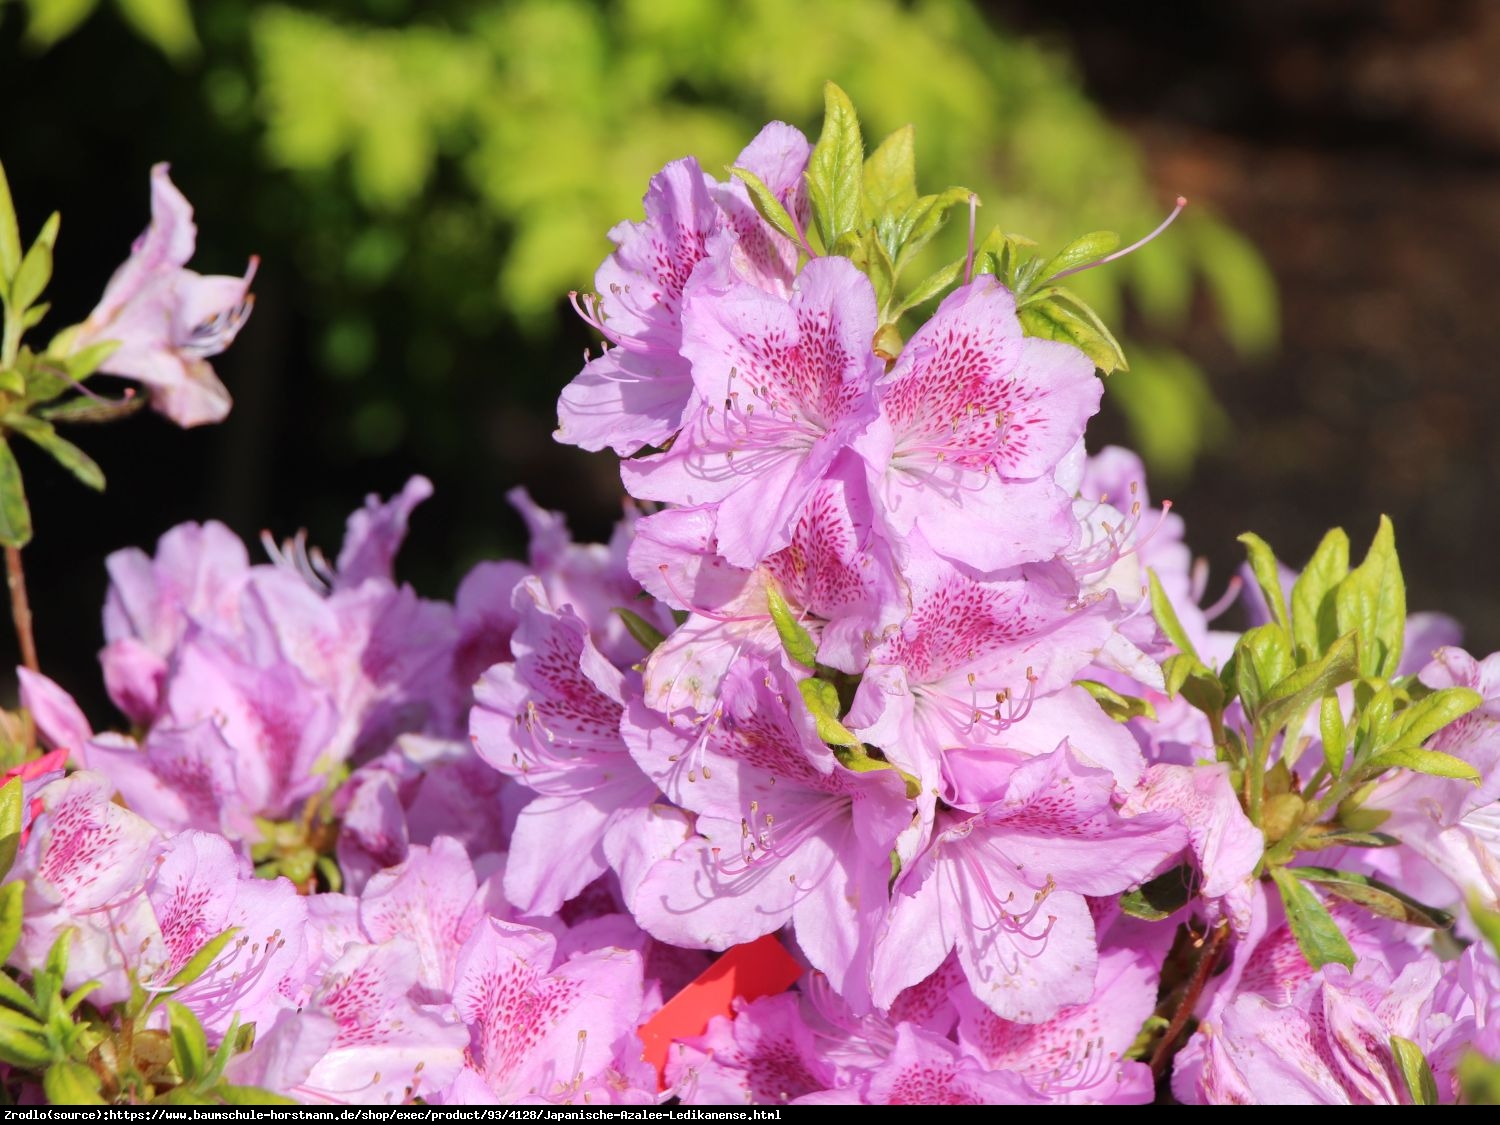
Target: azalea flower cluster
879 661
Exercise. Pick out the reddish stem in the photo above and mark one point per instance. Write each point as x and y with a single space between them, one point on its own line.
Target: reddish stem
20 607
1213 947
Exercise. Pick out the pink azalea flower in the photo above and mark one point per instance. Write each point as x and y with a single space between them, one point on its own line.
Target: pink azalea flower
974 419
169 320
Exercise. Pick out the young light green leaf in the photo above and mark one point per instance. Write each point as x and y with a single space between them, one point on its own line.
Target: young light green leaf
1121 708
189 1043
63 451
930 287
1263 659
10 915
1317 934
12 995
1081 251
168 24
15 514
1162 896
31 279
10 235
1314 620
1106 352
23 1043
795 639
1316 840
203 960
769 207
647 635
1166 617
71 1083
47 236
85 361
1372 600
1334 734
12 809
1374 896
1267 576
1046 318
33 316
822 700
1310 684
890 175
1415 724
923 219
835 170
1416 1075
1433 762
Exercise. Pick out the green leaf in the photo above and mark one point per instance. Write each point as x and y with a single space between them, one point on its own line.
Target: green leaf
166 24
1267 576
31 279
14 996
923 219
85 361
189 1043
1372 600
23 1042
835 170
930 287
795 639
71 1083
1416 1075
47 236
203 960
15 514
822 700
1049 319
12 809
1433 762
1121 708
890 175
1162 896
1166 617
1335 736
11 914
1418 722
251 1095
1305 687
1103 348
1081 251
1374 896
769 207
10 235
1315 839
645 633
1263 657
85 409
1318 936
1314 618
63 451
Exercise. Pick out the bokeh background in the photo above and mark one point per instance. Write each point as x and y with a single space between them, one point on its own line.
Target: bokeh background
1313 344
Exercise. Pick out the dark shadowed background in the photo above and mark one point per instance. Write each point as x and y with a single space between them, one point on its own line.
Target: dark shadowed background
1314 346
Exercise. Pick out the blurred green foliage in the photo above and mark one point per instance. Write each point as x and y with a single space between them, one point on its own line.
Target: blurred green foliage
471 154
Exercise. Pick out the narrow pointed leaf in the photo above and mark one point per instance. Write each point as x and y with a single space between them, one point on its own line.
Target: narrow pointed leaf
1416 1074
822 700
203 960
1415 724
1267 576
1166 617
1314 619
1081 251
647 634
63 451
795 639
15 514
12 995
1121 708
11 818
72 1083
10 916
10 234
1334 734
1433 762
1374 896
890 175
1310 684
23 1043
1048 319
770 208
189 1043
930 286
835 170
31 279
86 410
1372 600
1317 934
